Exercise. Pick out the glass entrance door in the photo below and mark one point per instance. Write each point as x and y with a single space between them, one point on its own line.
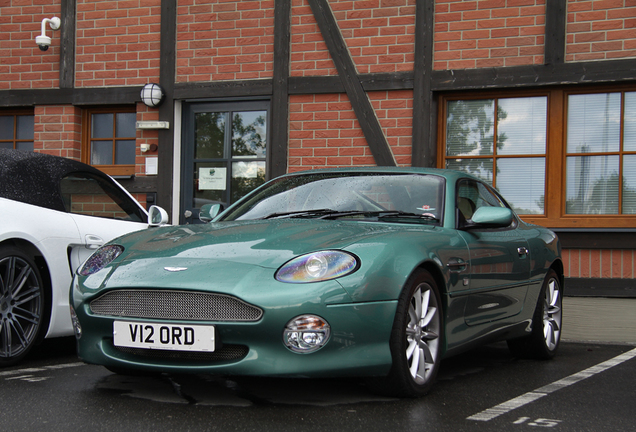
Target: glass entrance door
224 153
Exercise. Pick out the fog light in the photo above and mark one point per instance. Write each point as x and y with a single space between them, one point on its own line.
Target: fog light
77 328
306 333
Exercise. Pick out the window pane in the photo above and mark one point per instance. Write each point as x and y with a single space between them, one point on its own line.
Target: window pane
246 176
592 185
594 122
125 126
522 124
481 168
629 134
25 127
470 127
521 181
101 153
102 126
6 128
629 185
6 145
249 133
24 145
125 152
209 134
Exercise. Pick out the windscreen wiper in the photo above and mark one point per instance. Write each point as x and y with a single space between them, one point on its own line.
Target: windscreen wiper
300 213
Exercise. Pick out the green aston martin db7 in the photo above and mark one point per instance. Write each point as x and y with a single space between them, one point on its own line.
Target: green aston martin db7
370 272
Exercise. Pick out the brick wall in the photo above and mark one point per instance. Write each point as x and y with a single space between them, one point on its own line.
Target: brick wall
225 40
600 263
22 64
324 131
58 130
145 136
117 42
378 33
600 30
488 33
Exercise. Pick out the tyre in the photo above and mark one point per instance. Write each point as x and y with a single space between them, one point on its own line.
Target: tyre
543 341
22 305
416 339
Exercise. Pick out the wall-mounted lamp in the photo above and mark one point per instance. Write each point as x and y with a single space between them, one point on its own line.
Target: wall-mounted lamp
43 41
152 95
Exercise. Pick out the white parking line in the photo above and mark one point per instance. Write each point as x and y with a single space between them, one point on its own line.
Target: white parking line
42 369
532 396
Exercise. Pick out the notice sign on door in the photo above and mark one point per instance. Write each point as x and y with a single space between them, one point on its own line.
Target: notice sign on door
212 178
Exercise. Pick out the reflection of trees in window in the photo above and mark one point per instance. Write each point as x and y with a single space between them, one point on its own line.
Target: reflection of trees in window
248 139
241 186
470 126
209 133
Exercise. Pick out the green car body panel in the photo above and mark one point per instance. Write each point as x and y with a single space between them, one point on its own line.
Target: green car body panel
495 299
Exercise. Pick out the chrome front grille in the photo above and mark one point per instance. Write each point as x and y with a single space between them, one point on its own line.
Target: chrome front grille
174 305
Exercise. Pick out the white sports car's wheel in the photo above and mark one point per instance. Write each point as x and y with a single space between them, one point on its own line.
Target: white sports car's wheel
544 340
416 338
22 305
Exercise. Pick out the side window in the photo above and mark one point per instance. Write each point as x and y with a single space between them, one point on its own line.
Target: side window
472 195
91 196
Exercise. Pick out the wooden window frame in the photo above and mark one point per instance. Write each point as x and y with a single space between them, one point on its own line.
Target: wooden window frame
16 113
127 170
556 152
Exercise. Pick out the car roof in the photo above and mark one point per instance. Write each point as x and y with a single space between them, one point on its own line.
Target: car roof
34 178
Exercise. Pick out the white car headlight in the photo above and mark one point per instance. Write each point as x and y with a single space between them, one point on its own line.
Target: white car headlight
317 266
100 259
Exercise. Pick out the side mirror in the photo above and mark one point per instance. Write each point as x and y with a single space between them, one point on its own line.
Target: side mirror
491 217
209 212
157 216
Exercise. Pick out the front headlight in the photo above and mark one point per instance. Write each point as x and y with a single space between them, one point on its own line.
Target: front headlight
317 266
100 259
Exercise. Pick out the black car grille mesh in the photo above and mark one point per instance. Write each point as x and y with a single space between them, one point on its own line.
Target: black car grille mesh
174 305
227 353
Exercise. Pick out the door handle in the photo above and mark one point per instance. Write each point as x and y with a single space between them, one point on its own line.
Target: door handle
456 264
92 241
522 251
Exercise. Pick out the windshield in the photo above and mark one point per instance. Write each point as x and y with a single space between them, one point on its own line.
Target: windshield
345 195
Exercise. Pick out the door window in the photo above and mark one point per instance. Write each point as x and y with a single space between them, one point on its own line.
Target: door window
225 153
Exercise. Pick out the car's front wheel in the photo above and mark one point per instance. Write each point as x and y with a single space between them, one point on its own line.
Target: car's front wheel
416 338
22 305
543 341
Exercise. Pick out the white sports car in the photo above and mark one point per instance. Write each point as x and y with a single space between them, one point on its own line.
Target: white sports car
54 212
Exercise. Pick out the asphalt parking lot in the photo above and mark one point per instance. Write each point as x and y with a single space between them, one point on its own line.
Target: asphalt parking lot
587 387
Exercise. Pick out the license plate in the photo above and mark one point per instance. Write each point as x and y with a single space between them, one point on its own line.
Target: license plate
180 337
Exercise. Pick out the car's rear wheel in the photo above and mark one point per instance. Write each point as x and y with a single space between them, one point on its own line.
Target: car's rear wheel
543 341
416 338
22 303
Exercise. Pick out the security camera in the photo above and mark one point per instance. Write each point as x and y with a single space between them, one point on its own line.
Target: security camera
43 41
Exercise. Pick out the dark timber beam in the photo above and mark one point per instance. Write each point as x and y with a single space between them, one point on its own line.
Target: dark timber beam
347 71
424 142
279 138
67 44
166 110
554 45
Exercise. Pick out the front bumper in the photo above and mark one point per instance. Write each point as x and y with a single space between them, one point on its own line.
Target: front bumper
358 345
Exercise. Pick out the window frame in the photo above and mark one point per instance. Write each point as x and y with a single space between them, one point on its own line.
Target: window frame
127 170
555 197
18 113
